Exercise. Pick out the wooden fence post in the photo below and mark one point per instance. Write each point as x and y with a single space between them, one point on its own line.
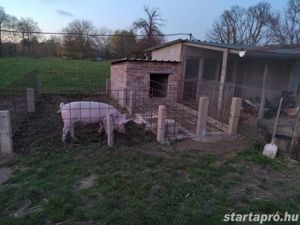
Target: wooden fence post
110 130
131 102
202 117
161 124
6 144
30 100
234 115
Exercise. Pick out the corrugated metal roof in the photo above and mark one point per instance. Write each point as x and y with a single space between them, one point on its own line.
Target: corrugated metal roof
143 60
276 51
285 51
223 45
272 51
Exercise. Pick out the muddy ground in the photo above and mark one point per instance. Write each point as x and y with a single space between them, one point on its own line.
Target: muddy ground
43 129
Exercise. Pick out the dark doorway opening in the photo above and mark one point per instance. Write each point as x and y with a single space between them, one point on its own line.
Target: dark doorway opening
158 85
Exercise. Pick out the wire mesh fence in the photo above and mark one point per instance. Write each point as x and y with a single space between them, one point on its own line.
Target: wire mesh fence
46 127
54 80
13 97
57 81
192 90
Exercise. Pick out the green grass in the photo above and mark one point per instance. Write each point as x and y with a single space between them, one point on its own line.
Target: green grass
135 187
55 74
253 155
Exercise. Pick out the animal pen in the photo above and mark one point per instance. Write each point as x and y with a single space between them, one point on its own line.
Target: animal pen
154 105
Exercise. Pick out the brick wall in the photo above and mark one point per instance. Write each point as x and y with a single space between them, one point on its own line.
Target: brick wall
118 81
135 76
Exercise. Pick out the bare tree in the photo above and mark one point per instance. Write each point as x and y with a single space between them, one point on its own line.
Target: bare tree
13 36
150 27
244 26
13 26
229 27
258 22
123 44
4 18
103 42
77 42
275 34
50 47
28 28
291 23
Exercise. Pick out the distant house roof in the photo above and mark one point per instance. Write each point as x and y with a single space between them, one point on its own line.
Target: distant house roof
142 60
272 51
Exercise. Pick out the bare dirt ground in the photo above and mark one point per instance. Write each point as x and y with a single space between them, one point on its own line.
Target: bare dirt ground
44 126
16 104
5 168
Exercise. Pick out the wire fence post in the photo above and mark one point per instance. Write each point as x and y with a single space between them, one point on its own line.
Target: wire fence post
110 130
6 144
161 124
234 116
202 116
30 100
107 86
131 103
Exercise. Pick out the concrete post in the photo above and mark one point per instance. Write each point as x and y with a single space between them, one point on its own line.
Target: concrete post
110 130
202 116
38 85
295 144
261 110
30 100
234 116
161 124
107 87
6 144
123 97
200 75
131 102
222 79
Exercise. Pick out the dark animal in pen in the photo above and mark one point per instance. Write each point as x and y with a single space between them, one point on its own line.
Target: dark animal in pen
88 112
288 106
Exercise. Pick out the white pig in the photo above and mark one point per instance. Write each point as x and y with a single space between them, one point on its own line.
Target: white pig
87 112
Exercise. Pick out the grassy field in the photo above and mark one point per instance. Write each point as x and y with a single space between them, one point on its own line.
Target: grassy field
145 184
55 74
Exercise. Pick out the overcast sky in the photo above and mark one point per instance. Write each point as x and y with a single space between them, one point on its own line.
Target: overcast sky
188 16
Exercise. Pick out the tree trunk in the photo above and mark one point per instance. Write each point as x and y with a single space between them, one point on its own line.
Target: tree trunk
0 40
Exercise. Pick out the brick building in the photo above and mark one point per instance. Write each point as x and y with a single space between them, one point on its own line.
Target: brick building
149 79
